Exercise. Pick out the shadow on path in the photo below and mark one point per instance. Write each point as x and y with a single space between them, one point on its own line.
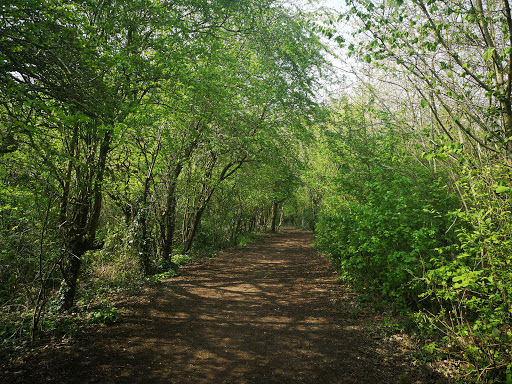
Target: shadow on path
270 313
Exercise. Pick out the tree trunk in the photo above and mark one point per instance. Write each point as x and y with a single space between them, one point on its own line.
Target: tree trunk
69 284
196 219
143 241
169 215
275 205
275 214
81 224
204 197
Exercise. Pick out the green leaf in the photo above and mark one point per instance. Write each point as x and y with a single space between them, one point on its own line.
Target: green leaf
424 103
502 189
488 54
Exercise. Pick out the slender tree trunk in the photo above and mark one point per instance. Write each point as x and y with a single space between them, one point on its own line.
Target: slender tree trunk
69 284
275 205
142 232
82 224
275 214
98 188
144 250
67 182
196 219
144 241
169 216
204 197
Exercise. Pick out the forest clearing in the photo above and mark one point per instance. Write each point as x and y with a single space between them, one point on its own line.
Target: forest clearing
139 138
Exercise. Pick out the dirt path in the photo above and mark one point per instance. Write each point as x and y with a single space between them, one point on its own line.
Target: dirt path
270 313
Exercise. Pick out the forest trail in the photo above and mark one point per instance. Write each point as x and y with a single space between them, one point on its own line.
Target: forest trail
272 312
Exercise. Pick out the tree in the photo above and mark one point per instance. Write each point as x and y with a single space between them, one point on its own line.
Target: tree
438 76
87 67
455 54
132 115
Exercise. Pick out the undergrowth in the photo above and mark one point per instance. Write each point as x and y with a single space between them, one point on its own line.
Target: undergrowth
108 276
443 259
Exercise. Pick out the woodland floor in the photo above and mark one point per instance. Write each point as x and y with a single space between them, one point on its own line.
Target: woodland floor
272 312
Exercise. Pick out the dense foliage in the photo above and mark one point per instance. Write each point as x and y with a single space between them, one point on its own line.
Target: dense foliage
418 205
129 130
384 215
136 133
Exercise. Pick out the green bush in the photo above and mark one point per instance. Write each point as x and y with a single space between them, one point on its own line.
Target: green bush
471 283
12 330
405 240
181 259
383 241
164 275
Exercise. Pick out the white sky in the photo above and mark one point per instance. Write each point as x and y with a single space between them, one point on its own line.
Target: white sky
343 65
335 4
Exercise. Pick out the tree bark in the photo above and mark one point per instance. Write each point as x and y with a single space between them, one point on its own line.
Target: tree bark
274 216
169 216
168 220
196 219
69 283
143 240
81 224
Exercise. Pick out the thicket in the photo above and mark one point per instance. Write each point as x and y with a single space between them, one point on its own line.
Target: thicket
132 132
384 218
418 198
400 229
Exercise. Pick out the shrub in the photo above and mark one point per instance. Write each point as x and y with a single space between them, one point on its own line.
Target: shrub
108 315
383 241
471 283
